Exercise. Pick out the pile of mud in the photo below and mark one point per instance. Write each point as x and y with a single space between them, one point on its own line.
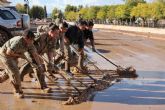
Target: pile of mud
105 82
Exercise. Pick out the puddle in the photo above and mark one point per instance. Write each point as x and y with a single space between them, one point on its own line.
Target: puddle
147 89
95 30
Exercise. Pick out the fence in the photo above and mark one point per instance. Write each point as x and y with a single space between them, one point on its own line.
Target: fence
147 23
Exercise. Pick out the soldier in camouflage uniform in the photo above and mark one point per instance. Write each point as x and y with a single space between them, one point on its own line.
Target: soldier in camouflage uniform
45 44
43 28
59 19
14 49
60 42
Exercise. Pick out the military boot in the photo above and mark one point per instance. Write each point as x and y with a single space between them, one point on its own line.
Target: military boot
43 84
18 93
46 90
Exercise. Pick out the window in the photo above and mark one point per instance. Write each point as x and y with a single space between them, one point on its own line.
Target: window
7 15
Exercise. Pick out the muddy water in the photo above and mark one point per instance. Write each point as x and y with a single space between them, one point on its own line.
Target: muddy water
148 89
147 92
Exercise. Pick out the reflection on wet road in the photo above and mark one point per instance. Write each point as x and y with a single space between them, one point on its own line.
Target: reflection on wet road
147 89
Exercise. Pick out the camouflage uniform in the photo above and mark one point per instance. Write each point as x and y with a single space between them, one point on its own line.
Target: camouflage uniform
18 46
61 39
60 46
42 29
58 19
44 45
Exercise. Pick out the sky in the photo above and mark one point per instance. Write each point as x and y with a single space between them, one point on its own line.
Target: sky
60 4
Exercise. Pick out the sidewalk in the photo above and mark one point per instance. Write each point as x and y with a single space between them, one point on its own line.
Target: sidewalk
154 33
130 28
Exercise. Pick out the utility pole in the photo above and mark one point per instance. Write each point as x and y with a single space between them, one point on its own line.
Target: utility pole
45 12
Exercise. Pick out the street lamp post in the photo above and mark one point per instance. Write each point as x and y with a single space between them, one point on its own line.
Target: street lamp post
27 6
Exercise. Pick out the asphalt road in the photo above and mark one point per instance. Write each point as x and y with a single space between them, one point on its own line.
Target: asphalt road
147 92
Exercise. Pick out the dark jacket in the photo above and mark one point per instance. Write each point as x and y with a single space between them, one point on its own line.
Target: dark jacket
75 36
88 34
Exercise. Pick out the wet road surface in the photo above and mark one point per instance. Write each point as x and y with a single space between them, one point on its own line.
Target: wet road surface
147 92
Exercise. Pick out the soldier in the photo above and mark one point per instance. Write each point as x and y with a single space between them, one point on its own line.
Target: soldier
59 19
88 34
14 49
60 50
45 44
74 36
43 28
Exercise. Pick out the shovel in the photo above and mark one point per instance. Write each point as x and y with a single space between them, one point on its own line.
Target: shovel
126 72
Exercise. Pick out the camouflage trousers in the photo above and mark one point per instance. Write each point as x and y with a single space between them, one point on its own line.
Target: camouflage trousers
68 54
28 68
11 67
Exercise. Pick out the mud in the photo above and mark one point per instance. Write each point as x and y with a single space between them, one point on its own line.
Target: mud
144 93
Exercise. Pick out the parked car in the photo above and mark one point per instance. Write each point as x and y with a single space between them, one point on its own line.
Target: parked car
12 23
